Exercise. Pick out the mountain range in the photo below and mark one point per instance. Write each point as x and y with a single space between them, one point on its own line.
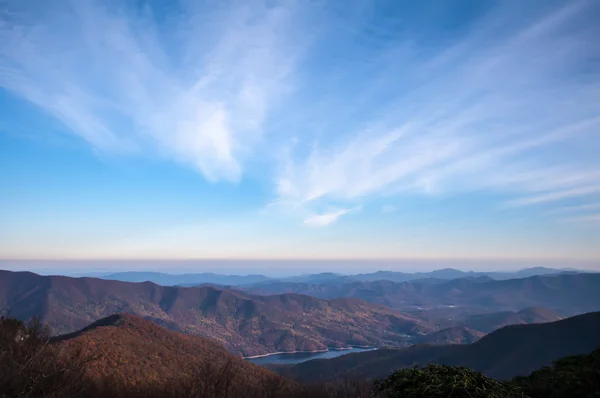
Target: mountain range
568 293
191 279
247 325
510 351
451 273
460 311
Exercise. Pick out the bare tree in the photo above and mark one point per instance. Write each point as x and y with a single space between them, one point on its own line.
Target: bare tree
30 366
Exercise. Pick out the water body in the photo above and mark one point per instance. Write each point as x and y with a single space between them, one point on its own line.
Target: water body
297 357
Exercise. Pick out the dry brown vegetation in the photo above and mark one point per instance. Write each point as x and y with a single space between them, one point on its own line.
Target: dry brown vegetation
125 356
136 351
107 360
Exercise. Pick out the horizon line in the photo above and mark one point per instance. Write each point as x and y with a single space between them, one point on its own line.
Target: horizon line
185 259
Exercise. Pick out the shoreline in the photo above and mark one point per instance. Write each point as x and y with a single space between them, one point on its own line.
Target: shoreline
308 352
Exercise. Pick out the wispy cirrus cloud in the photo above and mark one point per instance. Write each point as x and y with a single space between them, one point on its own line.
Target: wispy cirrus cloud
324 219
193 82
512 111
372 105
556 195
578 208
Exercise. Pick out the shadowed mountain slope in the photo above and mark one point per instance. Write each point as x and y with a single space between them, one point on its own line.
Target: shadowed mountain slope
510 351
489 322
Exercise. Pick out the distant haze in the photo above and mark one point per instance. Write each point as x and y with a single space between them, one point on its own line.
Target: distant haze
279 268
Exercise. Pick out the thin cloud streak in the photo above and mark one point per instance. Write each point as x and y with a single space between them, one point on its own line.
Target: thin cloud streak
574 209
485 117
555 196
328 218
322 220
198 94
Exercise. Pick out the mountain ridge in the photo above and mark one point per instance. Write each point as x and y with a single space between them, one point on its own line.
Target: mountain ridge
137 351
192 279
246 324
567 293
514 350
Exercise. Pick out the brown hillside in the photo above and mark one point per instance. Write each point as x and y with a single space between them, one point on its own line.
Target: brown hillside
136 351
245 324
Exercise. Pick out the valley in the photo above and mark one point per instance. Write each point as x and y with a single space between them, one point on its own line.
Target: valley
148 334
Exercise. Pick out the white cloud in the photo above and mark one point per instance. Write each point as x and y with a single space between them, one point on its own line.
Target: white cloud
328 218
507 112
556 196
197 87
322 220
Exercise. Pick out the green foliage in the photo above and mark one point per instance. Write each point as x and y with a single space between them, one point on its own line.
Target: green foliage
444 381
571 377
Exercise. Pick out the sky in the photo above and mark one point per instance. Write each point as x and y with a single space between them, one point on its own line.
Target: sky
300 130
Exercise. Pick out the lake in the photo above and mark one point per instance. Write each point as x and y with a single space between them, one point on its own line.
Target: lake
297 357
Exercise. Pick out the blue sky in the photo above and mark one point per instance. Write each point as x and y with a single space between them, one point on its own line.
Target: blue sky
294 129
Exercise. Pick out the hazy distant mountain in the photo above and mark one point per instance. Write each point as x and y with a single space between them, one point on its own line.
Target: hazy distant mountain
527 272
567 293
503 354
245 324
395 276
436 276
304 284
450 273
185 279
324 277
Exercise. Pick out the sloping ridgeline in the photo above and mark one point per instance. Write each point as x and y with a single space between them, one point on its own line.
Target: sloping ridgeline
245 324
511 351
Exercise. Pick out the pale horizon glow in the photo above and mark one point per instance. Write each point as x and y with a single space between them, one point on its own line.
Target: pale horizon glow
300 130
284 267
